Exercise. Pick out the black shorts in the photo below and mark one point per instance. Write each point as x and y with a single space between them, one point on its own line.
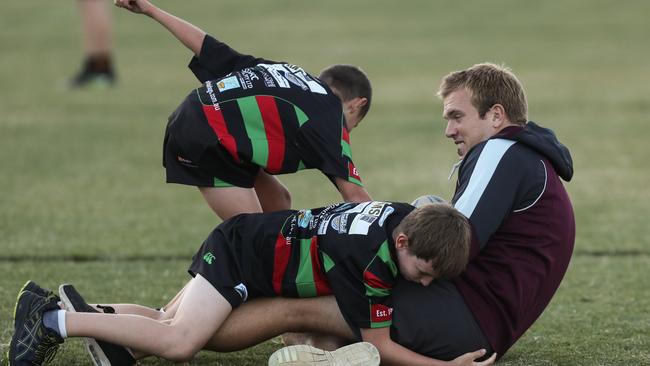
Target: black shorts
435 321
216 261
192 154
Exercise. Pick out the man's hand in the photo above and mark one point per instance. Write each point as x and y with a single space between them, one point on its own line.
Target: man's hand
136 6
468 359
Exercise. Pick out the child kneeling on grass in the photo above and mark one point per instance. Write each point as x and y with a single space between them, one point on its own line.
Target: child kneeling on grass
354 251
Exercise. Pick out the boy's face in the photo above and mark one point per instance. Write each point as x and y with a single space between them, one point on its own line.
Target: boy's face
413 268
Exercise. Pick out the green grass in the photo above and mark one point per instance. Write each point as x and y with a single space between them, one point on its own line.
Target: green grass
81 178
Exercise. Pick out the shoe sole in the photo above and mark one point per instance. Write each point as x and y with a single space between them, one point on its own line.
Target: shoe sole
92 347
356 354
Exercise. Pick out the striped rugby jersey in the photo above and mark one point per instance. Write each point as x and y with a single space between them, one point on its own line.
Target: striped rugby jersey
345 249
271 114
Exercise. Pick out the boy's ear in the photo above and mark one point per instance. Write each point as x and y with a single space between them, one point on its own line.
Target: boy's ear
401 241
357 103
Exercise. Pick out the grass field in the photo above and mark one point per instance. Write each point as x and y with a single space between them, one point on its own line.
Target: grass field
83 195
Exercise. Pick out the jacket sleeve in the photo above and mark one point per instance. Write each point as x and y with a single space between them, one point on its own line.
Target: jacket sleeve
217 60
494 179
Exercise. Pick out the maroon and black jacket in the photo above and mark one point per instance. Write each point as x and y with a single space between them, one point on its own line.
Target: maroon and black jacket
523 228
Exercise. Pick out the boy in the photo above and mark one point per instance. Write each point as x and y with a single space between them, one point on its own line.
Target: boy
354 251
254 118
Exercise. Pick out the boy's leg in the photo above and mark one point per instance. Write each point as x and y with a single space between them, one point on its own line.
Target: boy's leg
271 193
227 202
200 313
261 319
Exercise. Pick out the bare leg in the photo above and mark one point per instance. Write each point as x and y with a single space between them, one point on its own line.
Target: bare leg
229 201
261 319
97 27
200 313
271 193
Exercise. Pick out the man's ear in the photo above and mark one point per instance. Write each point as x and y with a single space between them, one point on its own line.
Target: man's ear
498 117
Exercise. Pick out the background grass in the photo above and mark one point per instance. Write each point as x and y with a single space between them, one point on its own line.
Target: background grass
83 195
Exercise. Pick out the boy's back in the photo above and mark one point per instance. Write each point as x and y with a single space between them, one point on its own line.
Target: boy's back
345 249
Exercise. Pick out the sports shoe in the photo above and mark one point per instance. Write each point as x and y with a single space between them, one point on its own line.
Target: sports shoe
38 290
33 343
102 353
89 77
356 354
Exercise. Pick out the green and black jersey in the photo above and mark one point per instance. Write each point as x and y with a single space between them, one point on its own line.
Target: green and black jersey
345 249
271 114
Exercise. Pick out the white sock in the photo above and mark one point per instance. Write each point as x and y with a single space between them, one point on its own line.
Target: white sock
60 314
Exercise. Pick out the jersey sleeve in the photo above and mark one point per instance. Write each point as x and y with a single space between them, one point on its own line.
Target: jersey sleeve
329 152
366 302
217 60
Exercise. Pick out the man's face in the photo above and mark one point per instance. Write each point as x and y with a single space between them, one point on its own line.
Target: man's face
464 125
415 269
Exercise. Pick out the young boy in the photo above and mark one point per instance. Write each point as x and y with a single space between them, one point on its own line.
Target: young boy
254 118
354 251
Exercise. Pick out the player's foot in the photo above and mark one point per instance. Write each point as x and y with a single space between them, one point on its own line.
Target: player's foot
102 353
356 354
33 343
91 77
38 290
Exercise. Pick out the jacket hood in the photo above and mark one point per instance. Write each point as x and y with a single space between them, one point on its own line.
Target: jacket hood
544 141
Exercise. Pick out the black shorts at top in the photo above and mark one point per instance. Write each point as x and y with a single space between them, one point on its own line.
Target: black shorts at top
192 155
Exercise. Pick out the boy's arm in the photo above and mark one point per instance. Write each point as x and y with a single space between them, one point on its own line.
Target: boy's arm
189 35
351 192
392 353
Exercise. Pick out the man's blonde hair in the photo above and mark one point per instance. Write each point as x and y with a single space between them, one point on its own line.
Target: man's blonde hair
489 84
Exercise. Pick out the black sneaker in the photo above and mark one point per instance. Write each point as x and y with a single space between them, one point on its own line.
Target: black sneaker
38 290
33 343
88 77
102 353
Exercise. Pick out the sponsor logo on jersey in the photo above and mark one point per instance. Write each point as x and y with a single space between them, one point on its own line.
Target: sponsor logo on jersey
228 83
335 222
343 226
353 172
389 210
213 98
209 257
369 212
304 217
242 291
380 313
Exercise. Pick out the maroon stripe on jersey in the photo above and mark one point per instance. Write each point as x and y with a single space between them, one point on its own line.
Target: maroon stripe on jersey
274 132
322 286
373 281
218 124
280 262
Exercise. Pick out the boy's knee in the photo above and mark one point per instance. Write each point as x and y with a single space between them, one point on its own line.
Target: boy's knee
181 352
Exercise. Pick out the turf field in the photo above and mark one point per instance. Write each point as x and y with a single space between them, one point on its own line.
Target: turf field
83 195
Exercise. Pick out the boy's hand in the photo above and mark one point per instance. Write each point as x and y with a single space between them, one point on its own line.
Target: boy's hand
136 6
468 359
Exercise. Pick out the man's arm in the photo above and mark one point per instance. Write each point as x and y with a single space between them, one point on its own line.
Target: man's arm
392 353
189 35
351 192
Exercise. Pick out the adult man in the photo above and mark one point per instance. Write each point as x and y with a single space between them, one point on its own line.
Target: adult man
523 230
255 118
523 223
